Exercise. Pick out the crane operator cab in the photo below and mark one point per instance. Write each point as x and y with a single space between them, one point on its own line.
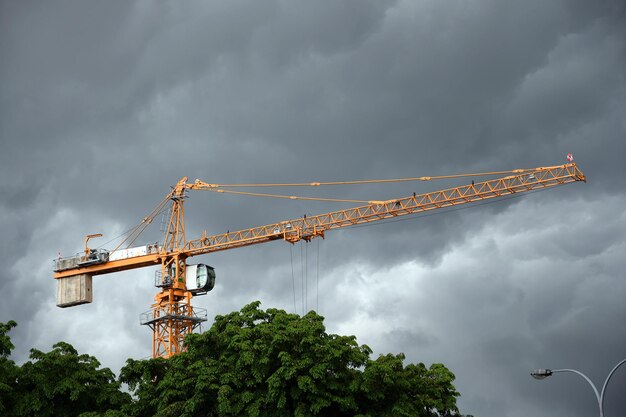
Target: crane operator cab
200 278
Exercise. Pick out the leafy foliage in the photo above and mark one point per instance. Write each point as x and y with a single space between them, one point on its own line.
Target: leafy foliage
62 381
390 389
251 362
271 363
58 383
8 370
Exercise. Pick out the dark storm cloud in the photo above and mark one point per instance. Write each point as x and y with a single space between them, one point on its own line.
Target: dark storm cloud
104 105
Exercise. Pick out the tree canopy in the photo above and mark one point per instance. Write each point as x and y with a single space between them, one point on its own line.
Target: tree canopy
58 383
8 370
271 363
250 362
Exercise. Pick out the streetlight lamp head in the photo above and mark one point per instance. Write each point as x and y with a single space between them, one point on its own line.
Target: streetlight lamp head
541 373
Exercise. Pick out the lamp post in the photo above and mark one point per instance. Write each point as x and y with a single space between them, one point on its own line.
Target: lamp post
544 373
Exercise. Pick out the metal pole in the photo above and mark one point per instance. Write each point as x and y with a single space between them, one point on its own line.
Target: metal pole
595 390
606 382
599 396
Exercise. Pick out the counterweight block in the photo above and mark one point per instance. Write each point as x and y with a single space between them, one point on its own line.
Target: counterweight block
74 290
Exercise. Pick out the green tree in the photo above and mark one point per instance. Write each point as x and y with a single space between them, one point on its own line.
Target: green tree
8 369
388 388
64 383
271 363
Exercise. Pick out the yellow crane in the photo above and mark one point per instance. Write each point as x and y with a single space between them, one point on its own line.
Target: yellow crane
172 316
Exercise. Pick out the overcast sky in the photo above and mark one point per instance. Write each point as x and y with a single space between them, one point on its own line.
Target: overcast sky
106 104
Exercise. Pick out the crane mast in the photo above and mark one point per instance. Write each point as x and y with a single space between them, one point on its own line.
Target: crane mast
172 316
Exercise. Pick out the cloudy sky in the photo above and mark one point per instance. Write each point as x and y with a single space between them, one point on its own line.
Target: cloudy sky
105 105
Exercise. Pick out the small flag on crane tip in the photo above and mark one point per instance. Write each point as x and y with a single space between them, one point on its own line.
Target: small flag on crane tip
570 157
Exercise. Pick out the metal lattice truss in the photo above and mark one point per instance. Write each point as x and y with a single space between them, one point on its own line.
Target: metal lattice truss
172 316
313 226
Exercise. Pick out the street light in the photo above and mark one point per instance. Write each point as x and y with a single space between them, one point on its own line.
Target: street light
541 373
544 373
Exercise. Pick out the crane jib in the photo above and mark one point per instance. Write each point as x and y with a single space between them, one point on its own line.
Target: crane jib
172 313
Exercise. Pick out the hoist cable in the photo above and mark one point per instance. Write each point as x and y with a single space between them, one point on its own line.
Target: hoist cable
306 275
219 188
144 223
302 276
288 197
293 280
132 230
203 185
317 280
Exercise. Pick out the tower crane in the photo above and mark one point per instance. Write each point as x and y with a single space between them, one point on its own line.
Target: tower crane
172 316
